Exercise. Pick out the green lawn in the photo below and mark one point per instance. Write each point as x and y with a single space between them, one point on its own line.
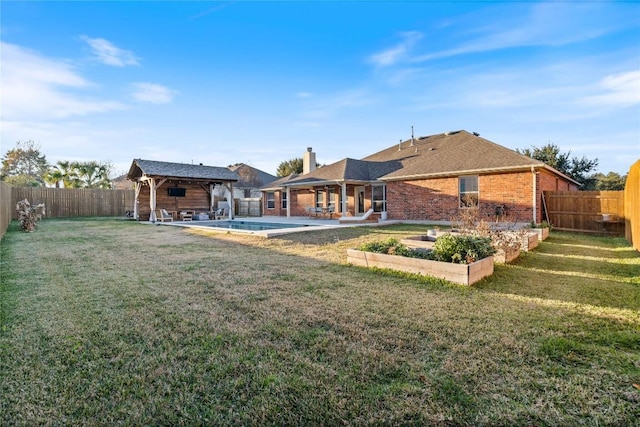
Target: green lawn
111 322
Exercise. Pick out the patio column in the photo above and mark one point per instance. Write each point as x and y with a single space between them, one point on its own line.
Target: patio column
211 187
231 204
345 203
288 202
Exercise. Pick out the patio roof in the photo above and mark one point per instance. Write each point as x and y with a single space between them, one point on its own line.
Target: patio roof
150 168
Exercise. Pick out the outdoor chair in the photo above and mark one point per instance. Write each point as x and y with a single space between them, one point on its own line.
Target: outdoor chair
164 216
350 219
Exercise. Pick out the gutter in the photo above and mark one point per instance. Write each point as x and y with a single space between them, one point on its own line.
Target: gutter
461 172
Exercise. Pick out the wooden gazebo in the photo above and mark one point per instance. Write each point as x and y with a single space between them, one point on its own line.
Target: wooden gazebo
177 187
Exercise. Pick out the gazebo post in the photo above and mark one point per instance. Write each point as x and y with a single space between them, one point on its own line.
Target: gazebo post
138 187
152 199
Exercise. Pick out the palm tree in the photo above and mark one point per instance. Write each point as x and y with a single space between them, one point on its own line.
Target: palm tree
92 175
54 176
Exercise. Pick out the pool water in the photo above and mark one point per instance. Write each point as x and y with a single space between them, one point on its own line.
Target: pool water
248 225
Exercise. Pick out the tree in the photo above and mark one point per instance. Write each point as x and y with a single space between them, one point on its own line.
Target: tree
577 168
610 182
24 165
289 167
60 173
91 175
80 174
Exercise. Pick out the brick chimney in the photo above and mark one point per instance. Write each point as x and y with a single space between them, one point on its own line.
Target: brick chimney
308 161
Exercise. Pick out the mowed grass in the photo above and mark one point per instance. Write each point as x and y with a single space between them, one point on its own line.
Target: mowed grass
111 322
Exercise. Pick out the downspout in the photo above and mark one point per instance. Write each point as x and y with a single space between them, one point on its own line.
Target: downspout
535 195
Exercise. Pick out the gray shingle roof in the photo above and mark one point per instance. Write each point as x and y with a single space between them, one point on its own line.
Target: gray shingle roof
451 153
154 168
447 154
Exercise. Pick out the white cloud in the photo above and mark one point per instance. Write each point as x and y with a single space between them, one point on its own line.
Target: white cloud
543 24
304 95
153 93
335 104
107 53
393 55
36 87
622 89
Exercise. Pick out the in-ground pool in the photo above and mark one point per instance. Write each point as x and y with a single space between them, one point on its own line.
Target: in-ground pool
247 225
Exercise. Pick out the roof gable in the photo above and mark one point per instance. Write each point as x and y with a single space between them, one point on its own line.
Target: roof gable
250 176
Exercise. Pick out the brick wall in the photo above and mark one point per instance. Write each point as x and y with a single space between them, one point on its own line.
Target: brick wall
437 199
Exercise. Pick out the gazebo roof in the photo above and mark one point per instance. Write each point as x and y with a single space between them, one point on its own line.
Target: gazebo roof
153 168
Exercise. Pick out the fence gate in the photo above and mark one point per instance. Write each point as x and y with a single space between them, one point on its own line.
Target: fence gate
248 207
583 210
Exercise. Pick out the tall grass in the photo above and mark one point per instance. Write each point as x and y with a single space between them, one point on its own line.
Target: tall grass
107 322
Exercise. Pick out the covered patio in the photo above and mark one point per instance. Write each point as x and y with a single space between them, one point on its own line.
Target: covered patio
180 187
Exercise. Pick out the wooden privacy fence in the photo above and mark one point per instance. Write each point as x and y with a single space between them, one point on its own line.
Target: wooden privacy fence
6 207
632 206
582 211
74 202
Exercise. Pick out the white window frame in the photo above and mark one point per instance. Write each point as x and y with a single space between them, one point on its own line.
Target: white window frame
270 198
319 201
283 199
473 193
382 202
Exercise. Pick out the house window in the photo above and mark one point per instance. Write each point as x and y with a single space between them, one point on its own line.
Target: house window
333 199
319 198
379 198
271 200
284 199
468 191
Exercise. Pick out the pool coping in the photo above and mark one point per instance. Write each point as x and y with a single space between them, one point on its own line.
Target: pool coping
310 225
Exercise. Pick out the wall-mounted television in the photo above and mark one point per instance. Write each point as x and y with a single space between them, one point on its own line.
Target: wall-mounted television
177 192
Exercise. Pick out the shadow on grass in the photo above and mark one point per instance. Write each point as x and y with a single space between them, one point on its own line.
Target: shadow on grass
597 271
228 330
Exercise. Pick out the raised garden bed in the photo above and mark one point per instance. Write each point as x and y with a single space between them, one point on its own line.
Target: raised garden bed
465 274
506 256
543 233
530 241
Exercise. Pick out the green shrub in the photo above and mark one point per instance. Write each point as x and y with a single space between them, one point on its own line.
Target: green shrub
463 249
394 247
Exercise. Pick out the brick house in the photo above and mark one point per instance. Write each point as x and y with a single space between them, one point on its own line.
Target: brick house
425 178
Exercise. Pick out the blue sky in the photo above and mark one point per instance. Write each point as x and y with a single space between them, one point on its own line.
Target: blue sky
258 82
